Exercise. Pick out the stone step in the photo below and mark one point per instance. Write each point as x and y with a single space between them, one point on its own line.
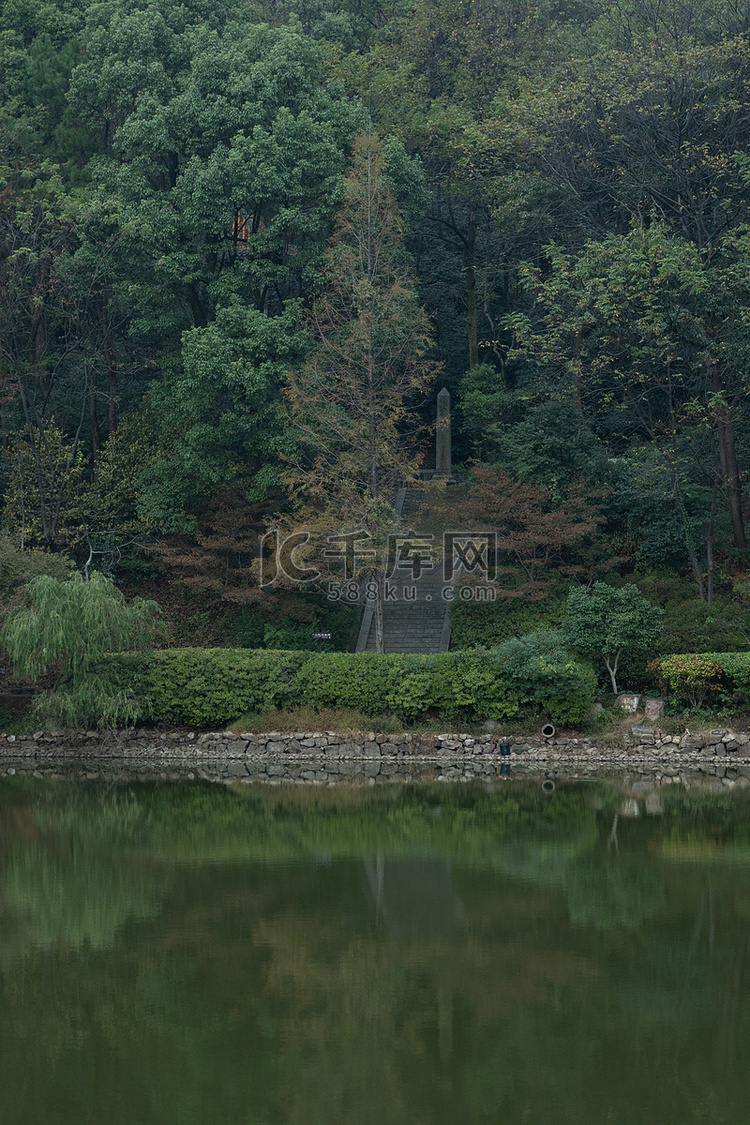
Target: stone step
418 626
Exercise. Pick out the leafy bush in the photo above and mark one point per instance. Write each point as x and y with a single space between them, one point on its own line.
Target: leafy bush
696 626
249 628
692 625
209 687
484 624
415 687
476 687
694 677
552 677
454 686
289 633
343 679
691 677
735 667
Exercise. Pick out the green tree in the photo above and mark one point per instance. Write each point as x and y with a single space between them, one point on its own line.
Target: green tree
224 176
69 628
224 413
52 344
221 177
643 330
603 622
640 119
350 405
44 489
431 76
537 435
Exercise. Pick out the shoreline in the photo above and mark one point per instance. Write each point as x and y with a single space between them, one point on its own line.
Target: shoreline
719 758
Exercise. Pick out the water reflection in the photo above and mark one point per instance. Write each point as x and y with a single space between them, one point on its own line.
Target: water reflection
193 954
415 898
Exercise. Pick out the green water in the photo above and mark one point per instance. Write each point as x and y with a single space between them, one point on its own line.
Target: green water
191 955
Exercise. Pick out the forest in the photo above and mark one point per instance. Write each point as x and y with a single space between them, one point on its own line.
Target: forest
244 245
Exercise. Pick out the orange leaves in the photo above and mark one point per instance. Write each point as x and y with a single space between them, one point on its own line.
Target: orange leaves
536 535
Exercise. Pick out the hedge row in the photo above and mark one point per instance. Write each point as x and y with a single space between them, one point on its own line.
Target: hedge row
211 687
695 677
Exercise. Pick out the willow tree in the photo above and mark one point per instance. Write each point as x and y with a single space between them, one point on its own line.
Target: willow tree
68 629
351 405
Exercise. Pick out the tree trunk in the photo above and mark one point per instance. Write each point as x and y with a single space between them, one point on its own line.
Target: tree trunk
692 554
731 474
612 669
112 379
200 320
93 420
695 566
710 548
379 630
471 301
471 293
372 410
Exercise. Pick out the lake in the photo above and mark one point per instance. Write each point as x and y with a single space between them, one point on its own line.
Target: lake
189 954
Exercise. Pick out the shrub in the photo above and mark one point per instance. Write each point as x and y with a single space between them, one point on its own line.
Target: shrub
466 686
692 625
415 687
209 687
485 624
696 626
344 679
476 687
735 667
692 677
550 674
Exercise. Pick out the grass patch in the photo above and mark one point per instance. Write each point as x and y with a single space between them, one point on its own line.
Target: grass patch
343 720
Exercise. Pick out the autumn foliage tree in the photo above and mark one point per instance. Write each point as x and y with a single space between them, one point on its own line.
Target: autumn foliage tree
216 557
350 406
535 535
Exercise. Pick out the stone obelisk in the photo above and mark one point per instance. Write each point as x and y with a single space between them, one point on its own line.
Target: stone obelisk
443 435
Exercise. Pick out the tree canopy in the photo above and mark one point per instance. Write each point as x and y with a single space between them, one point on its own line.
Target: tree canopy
185 316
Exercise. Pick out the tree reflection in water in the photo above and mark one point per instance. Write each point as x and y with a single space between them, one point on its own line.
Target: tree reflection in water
195 954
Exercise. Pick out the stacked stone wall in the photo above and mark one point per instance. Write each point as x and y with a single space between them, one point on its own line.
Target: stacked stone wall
719 755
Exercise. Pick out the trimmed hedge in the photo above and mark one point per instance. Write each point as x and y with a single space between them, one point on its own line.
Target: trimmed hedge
694 677
211 687
208 687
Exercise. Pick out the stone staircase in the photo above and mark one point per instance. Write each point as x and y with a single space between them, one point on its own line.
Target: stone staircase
417 621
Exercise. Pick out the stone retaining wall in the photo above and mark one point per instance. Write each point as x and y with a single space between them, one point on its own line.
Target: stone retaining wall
635 742
720 757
